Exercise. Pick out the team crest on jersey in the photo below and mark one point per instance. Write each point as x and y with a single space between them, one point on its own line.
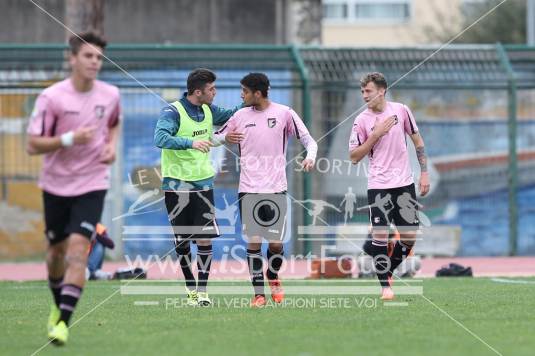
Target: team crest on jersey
99 111
272 122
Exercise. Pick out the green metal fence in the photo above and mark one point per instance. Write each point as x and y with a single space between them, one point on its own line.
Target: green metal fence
473 105
491 71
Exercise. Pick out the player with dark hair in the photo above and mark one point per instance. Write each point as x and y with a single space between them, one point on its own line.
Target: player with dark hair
75 124
77 42
183 132
379 133
266 127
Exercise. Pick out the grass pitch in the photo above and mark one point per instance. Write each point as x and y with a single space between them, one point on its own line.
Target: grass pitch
453 317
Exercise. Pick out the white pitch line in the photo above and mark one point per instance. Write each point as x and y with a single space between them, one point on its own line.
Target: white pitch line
511 281
146 302
395 304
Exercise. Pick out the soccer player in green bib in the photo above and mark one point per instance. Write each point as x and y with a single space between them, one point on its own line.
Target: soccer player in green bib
183 132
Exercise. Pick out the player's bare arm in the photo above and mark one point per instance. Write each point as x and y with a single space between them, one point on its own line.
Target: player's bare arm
312 150
234 137
422 160
202 145
307 165
380 129
108 153
42 144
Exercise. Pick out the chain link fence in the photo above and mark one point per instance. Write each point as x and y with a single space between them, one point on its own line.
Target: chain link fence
460 96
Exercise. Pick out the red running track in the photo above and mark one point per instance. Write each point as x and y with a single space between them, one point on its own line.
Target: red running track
481 266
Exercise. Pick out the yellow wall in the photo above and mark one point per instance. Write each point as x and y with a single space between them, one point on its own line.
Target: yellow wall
22 228
12 105
15 160
26 195
425 13
21 207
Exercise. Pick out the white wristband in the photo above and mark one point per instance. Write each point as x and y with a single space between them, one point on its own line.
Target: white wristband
67 139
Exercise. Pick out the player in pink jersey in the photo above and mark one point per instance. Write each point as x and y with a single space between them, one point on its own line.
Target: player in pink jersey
379 132
266 127
75 125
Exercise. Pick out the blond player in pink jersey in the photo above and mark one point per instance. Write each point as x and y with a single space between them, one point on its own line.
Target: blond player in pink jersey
266 127
379 132
75 125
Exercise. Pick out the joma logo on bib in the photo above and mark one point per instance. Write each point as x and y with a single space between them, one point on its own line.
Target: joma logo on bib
199 132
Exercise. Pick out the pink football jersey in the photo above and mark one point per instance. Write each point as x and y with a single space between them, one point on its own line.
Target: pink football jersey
75 170
389 160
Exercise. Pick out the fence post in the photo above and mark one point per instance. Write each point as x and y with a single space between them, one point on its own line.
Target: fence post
513 163
307 119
